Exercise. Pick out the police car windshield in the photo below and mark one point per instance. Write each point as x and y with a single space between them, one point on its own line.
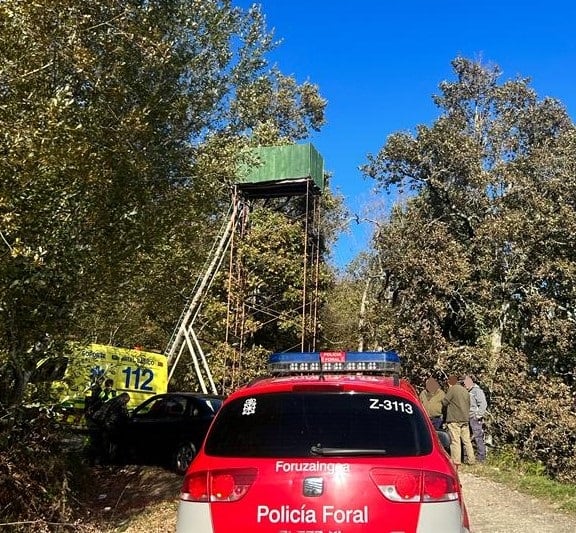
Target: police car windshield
303 424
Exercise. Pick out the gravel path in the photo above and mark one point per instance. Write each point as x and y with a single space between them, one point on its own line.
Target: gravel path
146 499
494 508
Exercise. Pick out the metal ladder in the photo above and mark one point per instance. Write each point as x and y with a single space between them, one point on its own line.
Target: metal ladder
184 336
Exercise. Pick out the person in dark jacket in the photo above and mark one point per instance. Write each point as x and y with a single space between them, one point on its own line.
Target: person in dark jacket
98 397
457 403
110 418
93 401
92 404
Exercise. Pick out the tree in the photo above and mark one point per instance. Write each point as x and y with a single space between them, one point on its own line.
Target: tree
481 257
496 155
352 318
123 123
340 316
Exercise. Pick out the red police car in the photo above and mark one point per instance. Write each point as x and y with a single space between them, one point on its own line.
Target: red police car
332 443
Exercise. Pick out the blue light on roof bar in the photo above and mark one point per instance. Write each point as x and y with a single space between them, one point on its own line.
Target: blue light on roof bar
334 362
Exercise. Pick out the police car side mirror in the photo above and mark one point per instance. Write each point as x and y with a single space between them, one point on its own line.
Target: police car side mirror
444 439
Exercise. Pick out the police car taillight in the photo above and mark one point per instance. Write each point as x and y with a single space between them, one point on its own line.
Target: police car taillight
217 486
385 363
402 485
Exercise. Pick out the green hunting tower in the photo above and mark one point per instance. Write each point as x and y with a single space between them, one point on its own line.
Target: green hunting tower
277 172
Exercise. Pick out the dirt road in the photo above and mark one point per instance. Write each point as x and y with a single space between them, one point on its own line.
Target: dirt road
146 502
494 508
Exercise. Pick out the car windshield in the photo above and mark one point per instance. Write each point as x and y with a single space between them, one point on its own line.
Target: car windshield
161 407
305 424
213 404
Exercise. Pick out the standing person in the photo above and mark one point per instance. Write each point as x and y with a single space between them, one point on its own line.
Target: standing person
457 403
111 417
92 404
108 392
478 406
98 397
431 398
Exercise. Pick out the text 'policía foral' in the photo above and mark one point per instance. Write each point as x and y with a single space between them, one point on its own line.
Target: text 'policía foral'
302 515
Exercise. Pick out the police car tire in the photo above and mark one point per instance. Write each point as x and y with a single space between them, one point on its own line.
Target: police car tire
185 452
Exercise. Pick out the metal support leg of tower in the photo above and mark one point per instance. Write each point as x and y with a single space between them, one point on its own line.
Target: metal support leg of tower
184 336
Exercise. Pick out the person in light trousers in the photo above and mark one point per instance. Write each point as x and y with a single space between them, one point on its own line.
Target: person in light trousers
457 403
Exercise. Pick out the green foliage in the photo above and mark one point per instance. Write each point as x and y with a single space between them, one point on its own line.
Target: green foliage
476 266
122 125
340 316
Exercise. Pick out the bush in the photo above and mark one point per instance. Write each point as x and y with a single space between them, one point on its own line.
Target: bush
535 414
37 477
531 412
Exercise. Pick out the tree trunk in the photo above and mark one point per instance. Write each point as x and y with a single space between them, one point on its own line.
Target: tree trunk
495 339
362 317
14 383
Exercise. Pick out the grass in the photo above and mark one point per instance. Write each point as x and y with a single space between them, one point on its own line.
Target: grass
529 478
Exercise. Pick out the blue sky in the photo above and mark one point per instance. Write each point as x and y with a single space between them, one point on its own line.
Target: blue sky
379 62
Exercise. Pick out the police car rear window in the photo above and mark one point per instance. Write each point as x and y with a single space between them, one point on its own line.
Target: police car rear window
306 424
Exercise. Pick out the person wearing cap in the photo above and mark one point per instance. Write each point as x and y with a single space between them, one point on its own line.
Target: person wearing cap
478 406
457 403
431 398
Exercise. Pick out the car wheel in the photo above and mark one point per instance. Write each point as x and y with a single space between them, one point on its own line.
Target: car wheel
183 457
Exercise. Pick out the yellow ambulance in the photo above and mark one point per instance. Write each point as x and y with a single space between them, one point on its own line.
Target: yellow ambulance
73 377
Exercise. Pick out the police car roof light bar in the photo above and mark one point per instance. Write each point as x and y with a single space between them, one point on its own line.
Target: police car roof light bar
290 363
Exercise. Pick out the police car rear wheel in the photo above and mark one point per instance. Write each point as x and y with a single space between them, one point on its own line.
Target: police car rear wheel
183 456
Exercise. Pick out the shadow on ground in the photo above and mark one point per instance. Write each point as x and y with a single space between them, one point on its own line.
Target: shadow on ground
118 493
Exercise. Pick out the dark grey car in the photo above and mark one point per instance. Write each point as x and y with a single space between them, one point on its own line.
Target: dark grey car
168 429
